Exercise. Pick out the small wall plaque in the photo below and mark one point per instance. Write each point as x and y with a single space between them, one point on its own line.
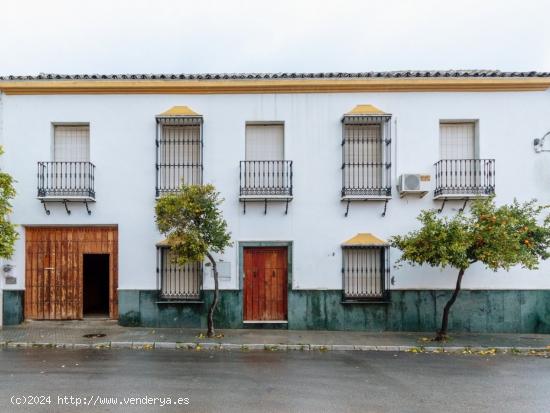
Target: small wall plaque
11 280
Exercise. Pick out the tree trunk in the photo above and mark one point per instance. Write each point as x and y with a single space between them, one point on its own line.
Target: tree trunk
442 333
210 332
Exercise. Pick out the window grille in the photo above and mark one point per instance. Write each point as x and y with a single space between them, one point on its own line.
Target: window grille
366 156
365 273
175 281
179 153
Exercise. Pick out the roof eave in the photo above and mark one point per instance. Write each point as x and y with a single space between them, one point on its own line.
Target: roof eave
234 86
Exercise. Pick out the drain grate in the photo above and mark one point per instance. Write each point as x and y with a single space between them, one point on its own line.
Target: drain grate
94 335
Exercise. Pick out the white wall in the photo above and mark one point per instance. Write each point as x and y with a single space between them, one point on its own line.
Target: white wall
122 130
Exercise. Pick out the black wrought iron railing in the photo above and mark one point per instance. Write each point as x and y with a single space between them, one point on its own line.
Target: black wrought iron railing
366 179
465 177
366 160
178 282
266 178
66 179
179 158
178 162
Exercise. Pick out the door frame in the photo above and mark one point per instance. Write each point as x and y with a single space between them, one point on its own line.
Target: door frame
253 244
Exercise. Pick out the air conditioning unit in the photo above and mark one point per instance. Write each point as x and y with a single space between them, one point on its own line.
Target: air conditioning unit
413 184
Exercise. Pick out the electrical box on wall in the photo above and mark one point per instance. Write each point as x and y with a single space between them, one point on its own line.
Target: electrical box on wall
9 274
224 270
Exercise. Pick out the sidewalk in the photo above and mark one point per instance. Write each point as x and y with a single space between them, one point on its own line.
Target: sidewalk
108 334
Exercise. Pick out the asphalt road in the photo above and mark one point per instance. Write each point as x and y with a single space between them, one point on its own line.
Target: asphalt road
272 382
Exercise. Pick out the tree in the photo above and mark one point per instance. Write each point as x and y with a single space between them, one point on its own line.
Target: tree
498 237
195 228
8 231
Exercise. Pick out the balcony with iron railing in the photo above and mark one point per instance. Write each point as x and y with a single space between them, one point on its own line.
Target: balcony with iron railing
66 180
464 178
265 180
368 180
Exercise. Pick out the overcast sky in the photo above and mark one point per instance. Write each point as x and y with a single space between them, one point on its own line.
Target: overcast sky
179 36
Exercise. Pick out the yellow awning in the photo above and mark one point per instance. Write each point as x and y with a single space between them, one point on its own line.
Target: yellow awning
179 111
163 243
365 110
364 239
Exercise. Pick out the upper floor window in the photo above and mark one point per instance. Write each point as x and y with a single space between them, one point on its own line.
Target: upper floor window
366 154
457 140
179 149
71 143
70 174
460 172
264 142
265 174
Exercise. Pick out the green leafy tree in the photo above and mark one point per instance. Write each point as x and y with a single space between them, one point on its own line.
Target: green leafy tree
498 237
8 232
195 228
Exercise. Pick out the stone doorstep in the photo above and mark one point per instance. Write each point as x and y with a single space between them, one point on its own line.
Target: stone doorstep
209 346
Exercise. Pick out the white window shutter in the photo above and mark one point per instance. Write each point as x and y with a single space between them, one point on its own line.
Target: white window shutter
71 143
264 143
457 140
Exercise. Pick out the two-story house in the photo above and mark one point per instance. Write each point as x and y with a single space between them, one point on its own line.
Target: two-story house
317 172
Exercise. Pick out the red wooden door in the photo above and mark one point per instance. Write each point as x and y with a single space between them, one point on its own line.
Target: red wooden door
265 284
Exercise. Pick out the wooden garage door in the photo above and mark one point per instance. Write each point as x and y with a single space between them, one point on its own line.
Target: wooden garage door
53 269
265 284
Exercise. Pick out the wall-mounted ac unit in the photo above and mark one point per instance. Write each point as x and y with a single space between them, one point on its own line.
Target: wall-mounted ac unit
413 184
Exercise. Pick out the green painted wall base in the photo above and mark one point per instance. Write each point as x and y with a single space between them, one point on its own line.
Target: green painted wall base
12 304
492 311
142 308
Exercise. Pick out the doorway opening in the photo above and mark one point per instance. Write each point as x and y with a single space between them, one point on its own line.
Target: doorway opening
96 285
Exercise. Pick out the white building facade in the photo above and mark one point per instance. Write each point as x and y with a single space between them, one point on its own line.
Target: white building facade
317 172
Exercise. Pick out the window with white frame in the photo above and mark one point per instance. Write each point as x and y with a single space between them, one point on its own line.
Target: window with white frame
460 172
264 142
178 282
265 172
364 272
71 143
457 140
70 173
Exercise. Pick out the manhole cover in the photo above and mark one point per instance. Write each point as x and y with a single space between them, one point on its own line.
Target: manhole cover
94 335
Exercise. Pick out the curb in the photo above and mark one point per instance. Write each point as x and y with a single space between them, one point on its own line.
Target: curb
214 346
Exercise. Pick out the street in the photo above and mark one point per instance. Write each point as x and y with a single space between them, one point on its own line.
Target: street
270 381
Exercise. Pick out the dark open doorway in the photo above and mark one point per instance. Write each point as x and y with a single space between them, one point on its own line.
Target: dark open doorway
96 285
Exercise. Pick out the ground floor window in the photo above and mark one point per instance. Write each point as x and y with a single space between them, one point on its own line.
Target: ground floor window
177 282
365 272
